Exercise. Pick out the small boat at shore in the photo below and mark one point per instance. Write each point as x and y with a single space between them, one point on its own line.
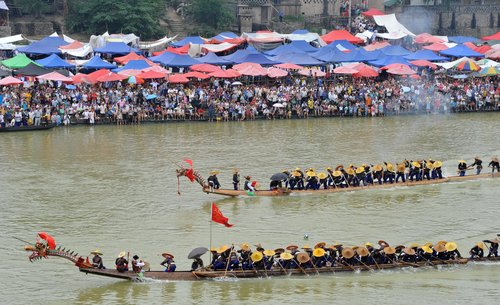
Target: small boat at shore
27 128
84 266
287 192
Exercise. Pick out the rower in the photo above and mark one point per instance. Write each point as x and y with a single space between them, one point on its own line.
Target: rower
363 255
312 180
427 170
494 164
493 249
347 257
378 173
213 181
389 255
248 184
294 179
400 172
197 264
479 165
462 167
408 255
338 179
137 264
330 176
97 259
425 252
452 251
415 171
236 179
477 251
350 175
389 174
245 253
437 172
287 180
234 262
323 180
440 250
121 263
300 179
168 262
360 176
368 175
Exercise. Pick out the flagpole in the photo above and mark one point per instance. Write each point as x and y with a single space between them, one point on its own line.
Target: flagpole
211 211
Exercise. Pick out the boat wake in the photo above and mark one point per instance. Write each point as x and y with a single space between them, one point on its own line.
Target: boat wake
226 279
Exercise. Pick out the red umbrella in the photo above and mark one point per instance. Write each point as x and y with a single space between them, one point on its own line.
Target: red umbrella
196 74
9 80
157 69
250 69
112 77
423 63
436 47
80 78
276 73
401 70
51 243
92 77
178 79
151 75
482 49
207 68
372 12
376 45
130 56
345 70
289 66
495 36
415 76
366 72
312 72
427 38
54 76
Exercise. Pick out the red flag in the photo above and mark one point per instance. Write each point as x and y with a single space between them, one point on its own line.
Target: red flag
218 217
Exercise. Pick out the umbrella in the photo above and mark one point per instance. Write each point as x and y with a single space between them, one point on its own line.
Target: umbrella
197 252
406 89
467 65
236 84
151 96
51 243
344 70
9 80
279 177
278 105
488 71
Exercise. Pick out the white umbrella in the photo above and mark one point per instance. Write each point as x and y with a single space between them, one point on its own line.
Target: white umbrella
236 84
278 105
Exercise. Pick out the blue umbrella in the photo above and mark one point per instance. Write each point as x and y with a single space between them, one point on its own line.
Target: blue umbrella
151 96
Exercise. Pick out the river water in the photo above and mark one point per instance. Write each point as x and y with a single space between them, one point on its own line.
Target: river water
114 188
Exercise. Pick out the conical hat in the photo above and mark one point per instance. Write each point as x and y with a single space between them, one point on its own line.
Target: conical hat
303 257
295 174
349 171
306 247
122 254
409 251
439 248
222 249
362 251
494 159
347 253
416 164
337 173
427 249
311 174
451 246
389 250
377 168
360 170
437 164
322 175
214 173
97 252
256 257
286 256
279 250
429 165
390 167
481 245
269 252
401 167
414 245
245 247
167 255
319 245
318 252
292 247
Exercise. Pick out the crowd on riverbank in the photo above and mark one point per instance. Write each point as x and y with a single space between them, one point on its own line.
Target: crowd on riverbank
221 100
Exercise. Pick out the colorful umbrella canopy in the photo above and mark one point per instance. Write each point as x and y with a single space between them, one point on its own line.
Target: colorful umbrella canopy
312 72
9 81
488 71
276 72
345 70
289 66
467 65
423 63
54 76
366 72
178 79
196 74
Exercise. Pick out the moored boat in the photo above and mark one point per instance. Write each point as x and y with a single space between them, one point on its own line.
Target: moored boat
27 128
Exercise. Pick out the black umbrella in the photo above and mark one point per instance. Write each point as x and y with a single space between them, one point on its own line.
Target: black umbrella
197 252
279 177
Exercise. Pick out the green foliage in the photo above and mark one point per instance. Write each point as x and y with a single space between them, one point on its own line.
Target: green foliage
215 14
116 16
32 7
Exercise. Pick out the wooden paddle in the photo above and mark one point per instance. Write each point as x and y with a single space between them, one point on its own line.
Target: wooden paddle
298 265
359 260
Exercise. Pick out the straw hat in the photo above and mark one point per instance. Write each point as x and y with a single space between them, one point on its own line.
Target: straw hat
213 250
256 257
495 241
319 245
329 169
214 173
339 167
414 245
295 174
401 167
222 249
439 248
451 246
389 250
349 171
390 167
377 168
429 165
437 164
383 243
286 256
292 247
303 257
427 249
122 254
297 169
269 252
495 159
409 251
167 255
306 247
347 253
279 250
311 174
441 242
245 247
360 170
319 252
322 176
416 164
337 173
428 244
96 252
362 251
368 244
310 169
461 161
481 245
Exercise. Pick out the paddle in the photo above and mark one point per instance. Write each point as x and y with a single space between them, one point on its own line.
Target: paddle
228 260
359 260
314 266
298 265
283 268
374 260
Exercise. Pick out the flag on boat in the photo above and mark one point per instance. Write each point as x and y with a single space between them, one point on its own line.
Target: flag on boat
218 217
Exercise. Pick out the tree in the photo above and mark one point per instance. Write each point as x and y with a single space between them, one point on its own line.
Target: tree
116 16
216 14
32 7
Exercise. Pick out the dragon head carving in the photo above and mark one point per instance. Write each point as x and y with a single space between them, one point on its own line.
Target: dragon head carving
40 251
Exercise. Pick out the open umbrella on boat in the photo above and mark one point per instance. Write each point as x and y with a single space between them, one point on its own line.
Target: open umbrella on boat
51 243
197 252
279 177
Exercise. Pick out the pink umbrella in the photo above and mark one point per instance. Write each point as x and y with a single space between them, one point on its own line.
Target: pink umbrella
345 70
178 79
55 76
289 66
312 72
111 77
130 72
196 74
401 70
366 71
253 71
151 75
157 69
207 68
9 81
276 73
376 45
80 78
427 38
436 47
423 63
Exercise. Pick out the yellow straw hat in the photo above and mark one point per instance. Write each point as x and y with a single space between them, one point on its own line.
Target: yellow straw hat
318 252
245 247
439 248
481 245
360 170
303 257
322 176
297 169
461 161
416 164
437 164
427 249
311 174
451 246
368 244
286 256
256 257
377 168
347 253
306 247
319 245
269 252
428 245
349 171
122 254
401 167
295 174
222 249
414 245
362 251
97 252
389 250
329 169
429 165
214 173
390 167
337 173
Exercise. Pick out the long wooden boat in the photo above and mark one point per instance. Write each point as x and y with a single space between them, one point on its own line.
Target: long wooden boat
27 128
375 186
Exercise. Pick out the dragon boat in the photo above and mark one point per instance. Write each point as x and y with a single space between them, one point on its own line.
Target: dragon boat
27 128
285 192
40 251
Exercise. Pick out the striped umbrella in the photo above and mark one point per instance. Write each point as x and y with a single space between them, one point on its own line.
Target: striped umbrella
488 71
467 65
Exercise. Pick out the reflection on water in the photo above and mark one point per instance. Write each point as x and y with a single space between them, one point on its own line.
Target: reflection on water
114 188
